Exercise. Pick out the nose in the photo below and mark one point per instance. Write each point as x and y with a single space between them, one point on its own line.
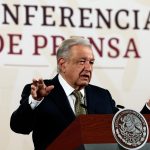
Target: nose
88 66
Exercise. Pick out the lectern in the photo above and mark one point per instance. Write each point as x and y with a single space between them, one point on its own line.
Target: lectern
90 132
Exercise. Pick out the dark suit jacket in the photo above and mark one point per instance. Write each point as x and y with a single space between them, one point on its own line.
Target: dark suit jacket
54 113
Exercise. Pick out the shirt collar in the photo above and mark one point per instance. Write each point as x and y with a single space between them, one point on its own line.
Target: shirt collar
67 88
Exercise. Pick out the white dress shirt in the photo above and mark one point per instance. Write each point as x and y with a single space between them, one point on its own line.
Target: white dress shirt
68 90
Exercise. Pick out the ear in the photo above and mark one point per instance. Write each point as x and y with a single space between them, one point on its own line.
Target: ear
62 64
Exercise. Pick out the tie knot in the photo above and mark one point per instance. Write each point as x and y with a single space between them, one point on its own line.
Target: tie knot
77 94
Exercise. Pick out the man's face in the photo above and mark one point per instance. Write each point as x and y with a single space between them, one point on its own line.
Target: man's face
77 69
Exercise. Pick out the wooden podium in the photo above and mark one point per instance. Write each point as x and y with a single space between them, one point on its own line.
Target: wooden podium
90 132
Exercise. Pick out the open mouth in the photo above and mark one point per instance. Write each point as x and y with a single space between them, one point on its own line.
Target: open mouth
85 77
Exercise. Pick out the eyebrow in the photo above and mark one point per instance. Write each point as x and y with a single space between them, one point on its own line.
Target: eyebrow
86 58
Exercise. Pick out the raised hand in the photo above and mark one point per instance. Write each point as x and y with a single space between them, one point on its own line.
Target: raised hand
39 89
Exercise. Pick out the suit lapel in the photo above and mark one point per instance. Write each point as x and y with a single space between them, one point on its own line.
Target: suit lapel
61 100
90 100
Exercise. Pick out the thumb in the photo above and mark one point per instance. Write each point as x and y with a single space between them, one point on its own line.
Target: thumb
49 89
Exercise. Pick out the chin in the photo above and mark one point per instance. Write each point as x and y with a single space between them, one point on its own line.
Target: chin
84 83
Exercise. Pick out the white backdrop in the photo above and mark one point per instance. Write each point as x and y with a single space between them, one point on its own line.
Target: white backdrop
31 30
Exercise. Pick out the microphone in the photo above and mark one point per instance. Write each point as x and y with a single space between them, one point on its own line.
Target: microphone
120 106
83 105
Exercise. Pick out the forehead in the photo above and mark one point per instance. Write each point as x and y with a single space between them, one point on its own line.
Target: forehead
81 51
